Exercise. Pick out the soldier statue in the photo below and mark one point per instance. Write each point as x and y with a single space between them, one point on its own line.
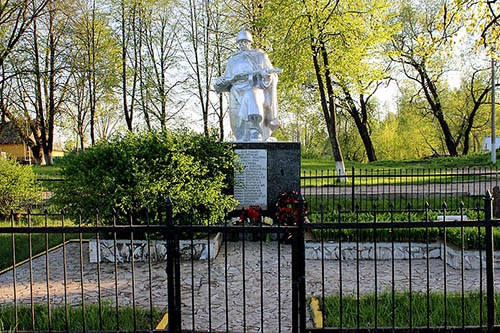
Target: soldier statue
251 82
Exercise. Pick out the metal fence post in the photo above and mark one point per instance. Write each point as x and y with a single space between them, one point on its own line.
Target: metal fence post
173 272
352 191
295 284
490 272
299 272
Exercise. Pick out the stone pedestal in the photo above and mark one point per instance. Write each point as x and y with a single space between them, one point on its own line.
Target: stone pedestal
271 168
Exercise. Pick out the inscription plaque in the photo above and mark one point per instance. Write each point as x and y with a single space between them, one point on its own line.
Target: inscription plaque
250 184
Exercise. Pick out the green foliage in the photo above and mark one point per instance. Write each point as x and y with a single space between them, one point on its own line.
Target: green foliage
17 186
144 320
46 171
135 174
472 305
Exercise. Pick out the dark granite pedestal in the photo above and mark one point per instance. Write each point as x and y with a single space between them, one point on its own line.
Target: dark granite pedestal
283 167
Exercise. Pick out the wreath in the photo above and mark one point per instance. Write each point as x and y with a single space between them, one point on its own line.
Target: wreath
287 208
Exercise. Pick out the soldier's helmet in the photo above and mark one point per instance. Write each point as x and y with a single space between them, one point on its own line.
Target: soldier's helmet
244 35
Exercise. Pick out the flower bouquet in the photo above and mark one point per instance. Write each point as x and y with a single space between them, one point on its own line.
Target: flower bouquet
252 217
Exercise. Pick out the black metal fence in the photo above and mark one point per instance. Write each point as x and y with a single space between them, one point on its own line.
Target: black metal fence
357 272
366 188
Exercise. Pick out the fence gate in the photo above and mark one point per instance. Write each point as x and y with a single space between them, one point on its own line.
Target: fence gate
252 285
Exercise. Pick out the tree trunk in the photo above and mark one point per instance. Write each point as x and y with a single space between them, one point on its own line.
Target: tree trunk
48 158
48 138
470 120
332 110
361 122
448 138
328 106
432 96
367 141
37 156
221 118
128 119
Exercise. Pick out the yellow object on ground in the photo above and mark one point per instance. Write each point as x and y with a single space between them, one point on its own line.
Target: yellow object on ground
317 315
163 323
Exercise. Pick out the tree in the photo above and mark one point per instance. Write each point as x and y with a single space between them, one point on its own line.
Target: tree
126 15
423 49
204 29
361 111
482 18
95 64
421 54
159 63
42 77
15 18
334 46
472 98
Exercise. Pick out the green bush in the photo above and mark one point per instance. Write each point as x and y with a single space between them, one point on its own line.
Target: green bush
17 186
135 173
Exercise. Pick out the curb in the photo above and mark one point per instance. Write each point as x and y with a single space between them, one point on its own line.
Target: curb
5 270
316 312
162 325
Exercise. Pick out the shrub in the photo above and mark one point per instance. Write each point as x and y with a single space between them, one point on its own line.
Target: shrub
17 186
135 173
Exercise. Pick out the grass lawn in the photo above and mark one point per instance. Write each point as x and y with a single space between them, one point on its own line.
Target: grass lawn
313 165
402 310
38 241
144 319
46 171
473 160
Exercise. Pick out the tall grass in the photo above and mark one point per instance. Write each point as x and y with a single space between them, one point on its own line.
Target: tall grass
144 319
419 310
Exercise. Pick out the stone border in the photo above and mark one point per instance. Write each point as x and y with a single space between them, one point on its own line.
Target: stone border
401 252
158 249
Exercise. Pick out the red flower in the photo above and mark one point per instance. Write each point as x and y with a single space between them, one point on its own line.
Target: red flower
253 213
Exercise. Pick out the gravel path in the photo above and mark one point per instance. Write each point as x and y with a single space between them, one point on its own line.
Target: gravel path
199 286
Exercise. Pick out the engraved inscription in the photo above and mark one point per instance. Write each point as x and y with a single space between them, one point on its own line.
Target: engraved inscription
250 186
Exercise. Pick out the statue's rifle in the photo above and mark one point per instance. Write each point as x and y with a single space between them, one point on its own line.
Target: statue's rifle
245 75
227 83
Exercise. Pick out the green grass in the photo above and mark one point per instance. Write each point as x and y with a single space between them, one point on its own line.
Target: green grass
46 171
472 160
38 241
318 177
398 204
144 320
472 238
402 310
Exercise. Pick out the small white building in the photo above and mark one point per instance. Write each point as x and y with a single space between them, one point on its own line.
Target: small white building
486 144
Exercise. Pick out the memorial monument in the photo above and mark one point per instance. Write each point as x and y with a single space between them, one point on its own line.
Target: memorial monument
251 82
269 167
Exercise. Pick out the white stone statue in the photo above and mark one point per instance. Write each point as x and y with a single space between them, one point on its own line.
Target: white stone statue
251 82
